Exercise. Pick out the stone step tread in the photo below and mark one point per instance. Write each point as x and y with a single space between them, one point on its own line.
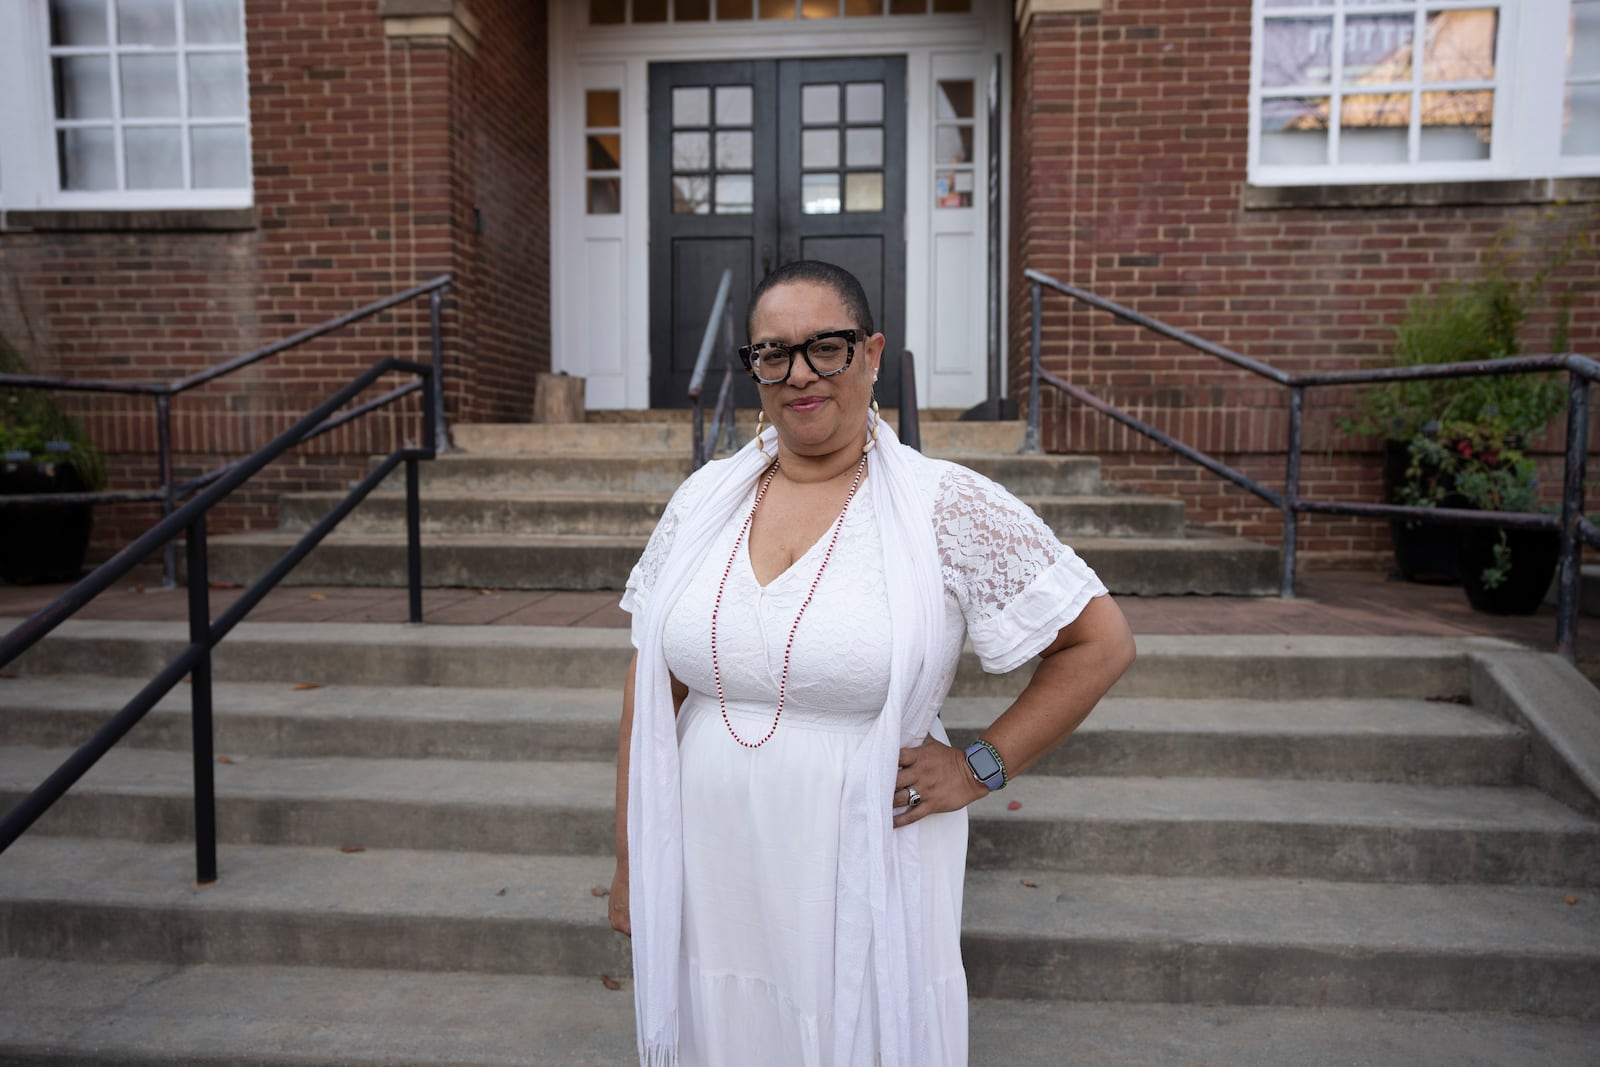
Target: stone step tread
1193 542
452 495
530 786
141 1014
399 886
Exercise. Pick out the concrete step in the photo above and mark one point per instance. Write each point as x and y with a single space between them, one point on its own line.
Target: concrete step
939 436
1367 831
1415 741
636 514
154 1015
1136 566
1028 934
1238 667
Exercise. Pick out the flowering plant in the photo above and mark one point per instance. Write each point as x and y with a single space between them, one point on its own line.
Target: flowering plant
34 428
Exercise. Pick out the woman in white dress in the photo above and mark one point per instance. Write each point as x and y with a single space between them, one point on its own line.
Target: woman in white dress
791 824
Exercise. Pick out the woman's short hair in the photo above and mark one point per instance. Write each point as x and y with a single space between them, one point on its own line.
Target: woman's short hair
815 272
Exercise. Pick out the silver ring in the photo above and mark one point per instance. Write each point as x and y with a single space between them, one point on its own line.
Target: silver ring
913 798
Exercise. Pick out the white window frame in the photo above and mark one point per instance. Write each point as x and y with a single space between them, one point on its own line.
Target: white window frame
29 169
1529 95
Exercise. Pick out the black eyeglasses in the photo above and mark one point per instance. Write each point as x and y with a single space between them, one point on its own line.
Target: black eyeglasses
826 354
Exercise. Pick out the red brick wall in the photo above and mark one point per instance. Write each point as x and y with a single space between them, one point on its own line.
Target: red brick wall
370 154
1129 179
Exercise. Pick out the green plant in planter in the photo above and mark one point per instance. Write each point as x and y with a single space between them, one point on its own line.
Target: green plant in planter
33 428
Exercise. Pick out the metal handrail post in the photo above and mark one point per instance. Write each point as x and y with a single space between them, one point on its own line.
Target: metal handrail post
205 797
414 538
1570 576
1030 440
1291 493
441 434
169 492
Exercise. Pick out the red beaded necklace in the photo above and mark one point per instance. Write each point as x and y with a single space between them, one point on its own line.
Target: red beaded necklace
716 609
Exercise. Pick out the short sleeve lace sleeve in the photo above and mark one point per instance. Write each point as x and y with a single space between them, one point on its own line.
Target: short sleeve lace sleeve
642 579
1017 584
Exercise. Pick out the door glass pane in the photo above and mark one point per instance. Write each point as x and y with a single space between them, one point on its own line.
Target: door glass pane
863 148
691 195
733 9
605 13
1580 135
863 102
863 7
1296 52
649 10
605 151
735 105
83 87
1456 126
735 150
147 22
220 156
1375 128
777 9
735 194
149 86
1460 45
691 151
863 192
908 7
953 188
154 157
216 86
691 10
819 148
605 196
212 22
953 144
691 107
819 194
1584 41
1294 131
1377 50
78 22
87 158
955 99
602 107
819 105
951 7
819 9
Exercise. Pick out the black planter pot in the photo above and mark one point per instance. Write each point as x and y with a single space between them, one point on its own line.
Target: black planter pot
1534 555
1423 551
46 541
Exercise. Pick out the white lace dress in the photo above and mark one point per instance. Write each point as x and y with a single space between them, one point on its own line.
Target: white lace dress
760 837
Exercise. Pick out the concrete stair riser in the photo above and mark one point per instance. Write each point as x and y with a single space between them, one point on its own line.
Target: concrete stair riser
939 436
578 473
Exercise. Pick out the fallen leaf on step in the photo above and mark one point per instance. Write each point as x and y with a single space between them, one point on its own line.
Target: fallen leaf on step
1030 885
352 848
317 596
1015 805
223 585
139 588
486 592
599 891
1570 900
610 982
302 686
224 759
501 893
6 674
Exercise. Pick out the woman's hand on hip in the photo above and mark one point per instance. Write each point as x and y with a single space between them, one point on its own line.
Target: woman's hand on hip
617 903
939 775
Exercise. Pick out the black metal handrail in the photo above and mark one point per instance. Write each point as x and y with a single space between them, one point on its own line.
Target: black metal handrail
204 632
1575 529
720 320
170 493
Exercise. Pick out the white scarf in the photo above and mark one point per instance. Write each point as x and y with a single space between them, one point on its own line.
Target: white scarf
878 906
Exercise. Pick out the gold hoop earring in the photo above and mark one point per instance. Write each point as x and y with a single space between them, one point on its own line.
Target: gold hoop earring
761 418
872 439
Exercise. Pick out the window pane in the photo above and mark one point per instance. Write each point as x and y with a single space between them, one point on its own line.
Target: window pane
147 22
863 102
777 9
735 151
87 158
1375 128
691 10
605 13
819 9
691 195
83 87
908 7
819 148
955 99
952 144
863 7
216 86
149 86
78 22
951 7
691 151
605 196
212 22
953 188
1584 41
735 194
735 105
819 194
1460 46
1456 126
863 148
154 157
602 107
819 105
1297 52
220 156
733 9
1294 131
863 192
605 151
691 107
1580 134
649 10
1378 50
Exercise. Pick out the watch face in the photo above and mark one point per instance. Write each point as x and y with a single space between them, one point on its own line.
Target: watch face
983 763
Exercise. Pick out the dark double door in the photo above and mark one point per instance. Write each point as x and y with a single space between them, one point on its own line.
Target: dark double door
757 163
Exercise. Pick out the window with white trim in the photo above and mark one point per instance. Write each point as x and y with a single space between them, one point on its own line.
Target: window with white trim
125 104
1380 91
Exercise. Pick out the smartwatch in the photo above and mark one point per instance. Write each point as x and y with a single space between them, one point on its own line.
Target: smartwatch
986 765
